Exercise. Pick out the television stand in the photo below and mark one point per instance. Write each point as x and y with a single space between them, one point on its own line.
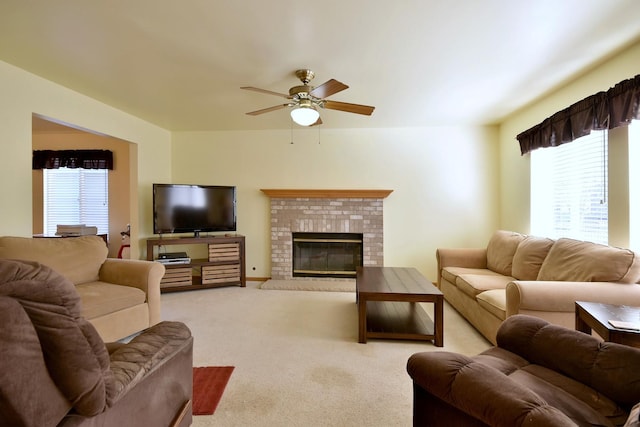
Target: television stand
224 266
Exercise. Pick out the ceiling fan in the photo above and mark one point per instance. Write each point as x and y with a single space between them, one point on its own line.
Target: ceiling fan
305 100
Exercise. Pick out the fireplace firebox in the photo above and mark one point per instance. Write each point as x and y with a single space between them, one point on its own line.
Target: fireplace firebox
326 254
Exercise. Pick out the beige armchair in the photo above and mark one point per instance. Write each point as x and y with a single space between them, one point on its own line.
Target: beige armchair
56 371
119 297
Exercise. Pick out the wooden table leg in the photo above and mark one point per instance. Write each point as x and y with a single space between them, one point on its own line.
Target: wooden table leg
438 322
580 324
362 321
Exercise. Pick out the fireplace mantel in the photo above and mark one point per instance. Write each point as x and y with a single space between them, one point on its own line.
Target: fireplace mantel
326 194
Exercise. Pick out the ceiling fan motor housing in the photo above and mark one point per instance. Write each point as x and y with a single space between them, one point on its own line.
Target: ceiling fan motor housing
306 103
300 92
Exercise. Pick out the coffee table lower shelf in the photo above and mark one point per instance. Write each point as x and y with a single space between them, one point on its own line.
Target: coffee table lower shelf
398 320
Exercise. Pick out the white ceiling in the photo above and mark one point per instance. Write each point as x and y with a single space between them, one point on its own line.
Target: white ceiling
180 64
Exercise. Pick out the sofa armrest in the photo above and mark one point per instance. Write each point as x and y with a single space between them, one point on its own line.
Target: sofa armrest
461 257
131 362
144 275
555 296
481 391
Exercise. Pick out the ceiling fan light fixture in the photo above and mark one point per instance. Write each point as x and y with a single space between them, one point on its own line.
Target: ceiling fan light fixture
305 115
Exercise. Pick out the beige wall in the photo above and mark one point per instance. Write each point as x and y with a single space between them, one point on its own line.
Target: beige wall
444 181
452 185
514 169
24 94
444 178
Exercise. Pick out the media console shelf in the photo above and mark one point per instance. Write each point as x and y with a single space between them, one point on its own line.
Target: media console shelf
225 265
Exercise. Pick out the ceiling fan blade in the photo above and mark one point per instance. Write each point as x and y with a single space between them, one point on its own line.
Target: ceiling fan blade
349 108
267 110
328 88
318 122
268 92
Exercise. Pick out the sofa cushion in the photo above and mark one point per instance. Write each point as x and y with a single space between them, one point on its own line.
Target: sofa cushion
100 298
23 371
529 256
473 284
500 250
76 357
575 260
578 401
501 359
78 259
607 367
494 301
450 274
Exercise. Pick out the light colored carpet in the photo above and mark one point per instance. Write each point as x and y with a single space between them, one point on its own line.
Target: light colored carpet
345 285
297 360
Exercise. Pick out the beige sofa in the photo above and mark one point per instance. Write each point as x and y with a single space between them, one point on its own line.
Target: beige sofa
520 274
119 297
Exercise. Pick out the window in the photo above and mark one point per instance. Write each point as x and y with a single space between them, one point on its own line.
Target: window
634 185
76 196
569 195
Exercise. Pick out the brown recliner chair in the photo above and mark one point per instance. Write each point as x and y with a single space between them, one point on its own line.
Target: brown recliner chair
539 375
55 370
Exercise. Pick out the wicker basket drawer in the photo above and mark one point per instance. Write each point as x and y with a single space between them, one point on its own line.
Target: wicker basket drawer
220 273
176 277
224 252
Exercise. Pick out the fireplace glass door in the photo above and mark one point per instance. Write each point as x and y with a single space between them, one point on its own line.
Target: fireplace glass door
326 254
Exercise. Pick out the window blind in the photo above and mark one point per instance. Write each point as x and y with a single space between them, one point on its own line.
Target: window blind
569 194
76 196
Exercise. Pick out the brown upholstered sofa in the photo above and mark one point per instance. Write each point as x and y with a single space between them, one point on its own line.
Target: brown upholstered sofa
57 371
119 297
539 375
520 274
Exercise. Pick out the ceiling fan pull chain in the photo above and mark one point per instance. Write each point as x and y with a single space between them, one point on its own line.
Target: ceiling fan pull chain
291 132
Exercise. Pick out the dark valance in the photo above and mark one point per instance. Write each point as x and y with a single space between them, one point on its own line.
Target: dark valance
604 110
85 159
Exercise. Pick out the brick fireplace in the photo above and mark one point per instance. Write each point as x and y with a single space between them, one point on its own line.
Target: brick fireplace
324 211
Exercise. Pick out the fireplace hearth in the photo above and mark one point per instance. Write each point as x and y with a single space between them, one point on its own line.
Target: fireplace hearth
326 254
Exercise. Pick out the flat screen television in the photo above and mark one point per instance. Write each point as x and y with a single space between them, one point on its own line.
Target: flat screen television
183 208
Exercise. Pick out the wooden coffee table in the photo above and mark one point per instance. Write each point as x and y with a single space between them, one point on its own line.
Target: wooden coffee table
595 316
388 298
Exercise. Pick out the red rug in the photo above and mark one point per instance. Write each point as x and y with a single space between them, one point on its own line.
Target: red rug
208 385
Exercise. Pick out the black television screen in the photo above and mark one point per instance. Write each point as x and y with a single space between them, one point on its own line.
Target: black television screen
182 208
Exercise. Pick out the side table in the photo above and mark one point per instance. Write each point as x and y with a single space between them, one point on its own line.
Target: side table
595 316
